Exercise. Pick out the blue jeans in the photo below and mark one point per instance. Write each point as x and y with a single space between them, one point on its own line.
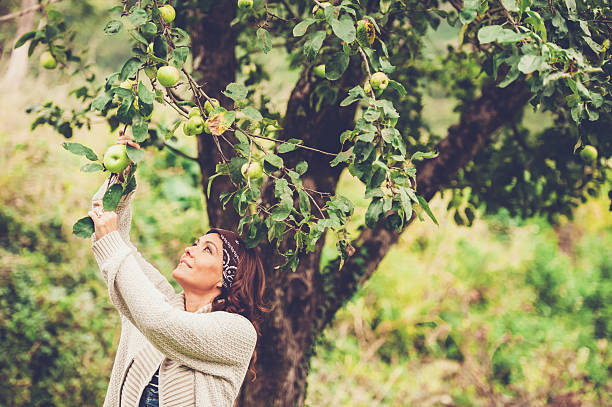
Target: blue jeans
149 398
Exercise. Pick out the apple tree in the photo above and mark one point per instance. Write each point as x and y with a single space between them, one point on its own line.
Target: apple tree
358 107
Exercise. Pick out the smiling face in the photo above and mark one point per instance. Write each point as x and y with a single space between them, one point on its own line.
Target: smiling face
200 269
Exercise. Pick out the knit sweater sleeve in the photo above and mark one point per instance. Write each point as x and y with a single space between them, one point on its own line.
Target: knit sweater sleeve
217 343
124 215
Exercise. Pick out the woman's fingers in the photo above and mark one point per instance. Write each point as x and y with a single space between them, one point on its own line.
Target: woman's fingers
125 139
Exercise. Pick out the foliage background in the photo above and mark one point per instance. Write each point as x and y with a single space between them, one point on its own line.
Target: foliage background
506 312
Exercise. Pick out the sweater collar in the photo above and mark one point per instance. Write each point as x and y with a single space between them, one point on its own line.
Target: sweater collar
180 303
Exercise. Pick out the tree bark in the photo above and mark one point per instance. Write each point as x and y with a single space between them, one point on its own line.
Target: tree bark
217 68
18 63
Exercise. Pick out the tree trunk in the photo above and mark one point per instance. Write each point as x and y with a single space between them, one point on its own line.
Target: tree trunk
217 68
18 63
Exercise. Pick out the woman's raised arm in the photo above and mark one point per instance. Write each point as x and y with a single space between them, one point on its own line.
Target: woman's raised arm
124 220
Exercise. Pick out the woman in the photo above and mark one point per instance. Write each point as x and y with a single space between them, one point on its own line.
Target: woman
186 349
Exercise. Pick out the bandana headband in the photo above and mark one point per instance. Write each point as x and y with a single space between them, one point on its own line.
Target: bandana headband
231 247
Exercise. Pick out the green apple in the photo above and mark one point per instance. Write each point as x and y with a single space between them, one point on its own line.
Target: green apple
379 81
589 154
167 13
148 30
47 60
252 171
319 11
319 70
195 111
245 4
195 125
168 75
366 32
115 158
206 128
208 106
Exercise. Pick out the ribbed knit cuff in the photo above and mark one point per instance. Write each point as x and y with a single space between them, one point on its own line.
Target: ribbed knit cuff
109 245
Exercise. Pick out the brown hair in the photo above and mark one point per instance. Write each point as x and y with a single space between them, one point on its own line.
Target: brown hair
245 296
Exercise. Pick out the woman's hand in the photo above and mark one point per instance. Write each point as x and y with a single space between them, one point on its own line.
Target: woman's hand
104 222
129 140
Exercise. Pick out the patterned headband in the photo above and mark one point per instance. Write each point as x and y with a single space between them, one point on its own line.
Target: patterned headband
231 247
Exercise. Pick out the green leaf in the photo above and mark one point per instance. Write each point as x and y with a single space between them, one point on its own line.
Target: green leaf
530 63
144 94
304 202
499 34
398 87
313 44
510 5
406 203
366 137
92 167
210 180
342 156
419 155
100 102
469 11
371 115
228 119
286 147
24 38
113 27
138 17
355 93
134 154
252 114
373 213
83 227
180 37
235 91
130 68
302 167
138 37
344 28
274 161
264 37
335 67
140 129
283 210
80 149
112 196
301 27
425 206
179 56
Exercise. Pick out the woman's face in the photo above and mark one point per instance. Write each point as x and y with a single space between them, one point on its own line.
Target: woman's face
201 266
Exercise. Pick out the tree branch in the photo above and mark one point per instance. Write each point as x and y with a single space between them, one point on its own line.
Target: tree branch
32 9
496 108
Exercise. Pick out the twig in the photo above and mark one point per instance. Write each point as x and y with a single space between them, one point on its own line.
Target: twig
286 142
179 152
293 15
19 13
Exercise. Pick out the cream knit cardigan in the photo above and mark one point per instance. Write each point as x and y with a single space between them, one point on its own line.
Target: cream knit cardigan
202 356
